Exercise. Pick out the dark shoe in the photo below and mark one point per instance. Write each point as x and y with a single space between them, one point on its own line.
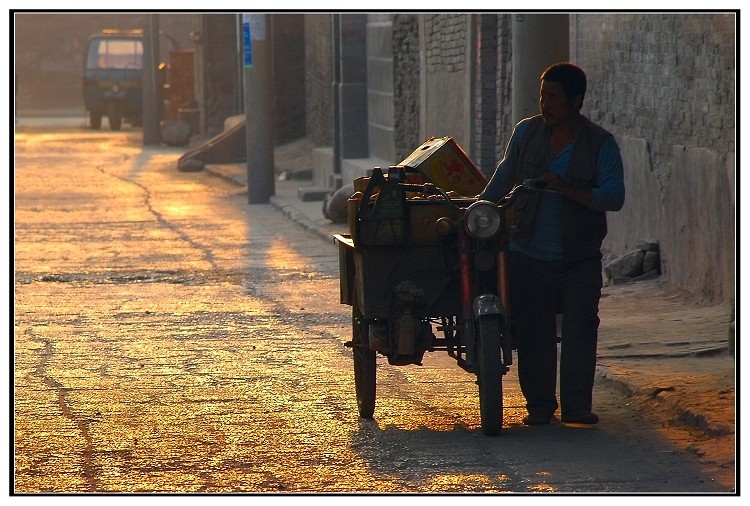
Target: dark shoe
587 419
535 420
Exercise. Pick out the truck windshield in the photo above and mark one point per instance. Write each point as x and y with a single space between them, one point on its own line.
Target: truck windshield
115 54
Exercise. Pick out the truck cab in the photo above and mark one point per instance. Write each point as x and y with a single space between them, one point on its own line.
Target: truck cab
113 78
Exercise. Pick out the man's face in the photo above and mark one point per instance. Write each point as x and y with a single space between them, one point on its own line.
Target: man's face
554 105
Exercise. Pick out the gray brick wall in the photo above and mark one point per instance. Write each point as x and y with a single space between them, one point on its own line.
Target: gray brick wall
406 84
318 79
448 112
380 84
664 85
446 59
446 41
504 85
485 93
492 90
665 77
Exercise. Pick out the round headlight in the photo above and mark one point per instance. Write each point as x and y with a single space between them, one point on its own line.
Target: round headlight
482 219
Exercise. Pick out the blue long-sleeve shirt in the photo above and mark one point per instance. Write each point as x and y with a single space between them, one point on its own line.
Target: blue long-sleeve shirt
608 193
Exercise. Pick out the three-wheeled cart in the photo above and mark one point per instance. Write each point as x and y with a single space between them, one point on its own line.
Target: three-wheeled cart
424 269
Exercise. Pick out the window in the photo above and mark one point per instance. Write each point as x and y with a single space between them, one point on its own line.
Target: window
115 54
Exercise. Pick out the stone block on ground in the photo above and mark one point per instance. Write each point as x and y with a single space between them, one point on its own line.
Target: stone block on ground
629 265
651 261
190 165
175 133
335 204
312 193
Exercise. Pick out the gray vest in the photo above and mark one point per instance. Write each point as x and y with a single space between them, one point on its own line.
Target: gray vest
583 228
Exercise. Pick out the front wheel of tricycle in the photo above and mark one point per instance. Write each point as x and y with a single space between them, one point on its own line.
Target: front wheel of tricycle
364 365
490 374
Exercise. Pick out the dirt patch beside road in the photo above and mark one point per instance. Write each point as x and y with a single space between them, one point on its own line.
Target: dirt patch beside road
670 356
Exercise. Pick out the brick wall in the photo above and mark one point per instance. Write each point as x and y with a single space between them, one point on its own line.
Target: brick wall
446 88
493 90
446 42
318 79
667 77
406 84
485 93
504 85
380 86
664 85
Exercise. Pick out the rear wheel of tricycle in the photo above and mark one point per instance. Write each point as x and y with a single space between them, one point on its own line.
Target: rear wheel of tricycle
364 365
490 374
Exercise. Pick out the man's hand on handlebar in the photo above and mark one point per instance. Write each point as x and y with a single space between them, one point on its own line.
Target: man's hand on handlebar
552 181
533 184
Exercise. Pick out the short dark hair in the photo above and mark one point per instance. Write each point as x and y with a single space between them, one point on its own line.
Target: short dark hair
570 76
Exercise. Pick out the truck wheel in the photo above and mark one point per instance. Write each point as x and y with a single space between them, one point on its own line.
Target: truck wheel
114 114
364 364
96 120
115 122
490 374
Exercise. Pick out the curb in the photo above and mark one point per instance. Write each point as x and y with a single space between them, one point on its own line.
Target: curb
680 416
215 170
278 203
299 218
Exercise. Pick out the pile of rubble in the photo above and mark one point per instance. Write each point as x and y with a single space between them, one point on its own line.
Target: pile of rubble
638 265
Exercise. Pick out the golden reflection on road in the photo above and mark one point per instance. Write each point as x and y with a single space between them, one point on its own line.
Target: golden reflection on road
177 211
462 483
281 256
543 487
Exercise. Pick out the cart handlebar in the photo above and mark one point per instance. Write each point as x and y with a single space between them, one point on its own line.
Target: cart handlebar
528 185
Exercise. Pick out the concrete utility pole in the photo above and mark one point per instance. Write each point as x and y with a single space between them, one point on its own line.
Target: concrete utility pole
151 89
349 91
258 107
539 40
